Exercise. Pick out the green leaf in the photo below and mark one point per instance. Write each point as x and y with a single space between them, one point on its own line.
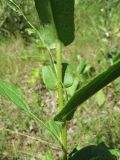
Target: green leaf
87 91
13 94
63 14
55 129
49 77
100 98
44 11
115 152
67 75
92 152
47 31
81 66
71 90
57 19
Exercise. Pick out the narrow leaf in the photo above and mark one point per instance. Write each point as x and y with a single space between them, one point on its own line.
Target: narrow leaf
67 77
81 66
13 94
71 90
55 129
88 90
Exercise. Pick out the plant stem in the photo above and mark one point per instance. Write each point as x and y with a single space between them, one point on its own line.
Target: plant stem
60 98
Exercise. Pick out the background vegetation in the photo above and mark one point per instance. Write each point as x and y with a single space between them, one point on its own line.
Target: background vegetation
22 56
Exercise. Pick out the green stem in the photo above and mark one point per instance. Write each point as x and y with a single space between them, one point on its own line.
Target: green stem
60 98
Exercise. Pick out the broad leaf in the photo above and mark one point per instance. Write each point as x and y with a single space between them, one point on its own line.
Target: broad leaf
92 152
13 94
87 91
63 14
44 11
49 77
57 19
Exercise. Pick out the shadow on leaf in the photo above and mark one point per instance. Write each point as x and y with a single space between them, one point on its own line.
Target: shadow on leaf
92 152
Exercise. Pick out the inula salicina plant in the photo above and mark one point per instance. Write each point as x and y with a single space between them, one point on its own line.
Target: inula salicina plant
57 31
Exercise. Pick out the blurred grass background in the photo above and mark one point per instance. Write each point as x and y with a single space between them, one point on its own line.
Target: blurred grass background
97 42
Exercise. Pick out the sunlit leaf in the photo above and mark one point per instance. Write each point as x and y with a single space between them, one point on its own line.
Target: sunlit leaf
115 152
13 94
